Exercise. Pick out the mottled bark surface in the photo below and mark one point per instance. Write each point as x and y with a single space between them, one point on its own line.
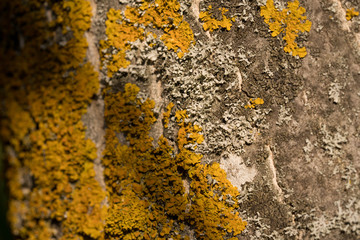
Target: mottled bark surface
284 128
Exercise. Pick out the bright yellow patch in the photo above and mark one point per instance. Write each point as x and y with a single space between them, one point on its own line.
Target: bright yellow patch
146 183
123 28
166 115
212 24
289 21
47 89
350 13
254 102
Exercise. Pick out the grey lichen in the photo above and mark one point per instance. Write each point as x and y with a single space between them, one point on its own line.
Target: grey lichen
346 219
335 92
284 116
208 81
307 149
332 141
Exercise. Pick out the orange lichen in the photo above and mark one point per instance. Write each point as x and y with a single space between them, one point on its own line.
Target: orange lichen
47 87
188 133
86 211
290 21
53 191
350 13
210 199
135 23
212 24
120 33
145 183
179 40
166 115
254 102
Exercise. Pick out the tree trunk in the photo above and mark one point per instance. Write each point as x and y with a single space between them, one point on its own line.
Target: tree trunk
180 119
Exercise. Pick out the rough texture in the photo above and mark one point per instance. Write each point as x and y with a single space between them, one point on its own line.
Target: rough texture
47 88
148 199
207 114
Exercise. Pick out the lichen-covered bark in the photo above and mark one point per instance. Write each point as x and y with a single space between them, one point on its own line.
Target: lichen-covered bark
46 88
181 119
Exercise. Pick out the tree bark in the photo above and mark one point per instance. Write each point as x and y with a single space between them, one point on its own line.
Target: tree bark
180 119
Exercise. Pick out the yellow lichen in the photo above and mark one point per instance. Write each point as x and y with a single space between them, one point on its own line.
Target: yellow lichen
52 187
188 133
145 183
254 102
166 115
212 24
47 87
123 28
290 21
180 39
209 199
350 13
120 33
86 211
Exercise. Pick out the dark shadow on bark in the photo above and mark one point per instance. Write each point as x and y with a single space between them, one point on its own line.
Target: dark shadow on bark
4 226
